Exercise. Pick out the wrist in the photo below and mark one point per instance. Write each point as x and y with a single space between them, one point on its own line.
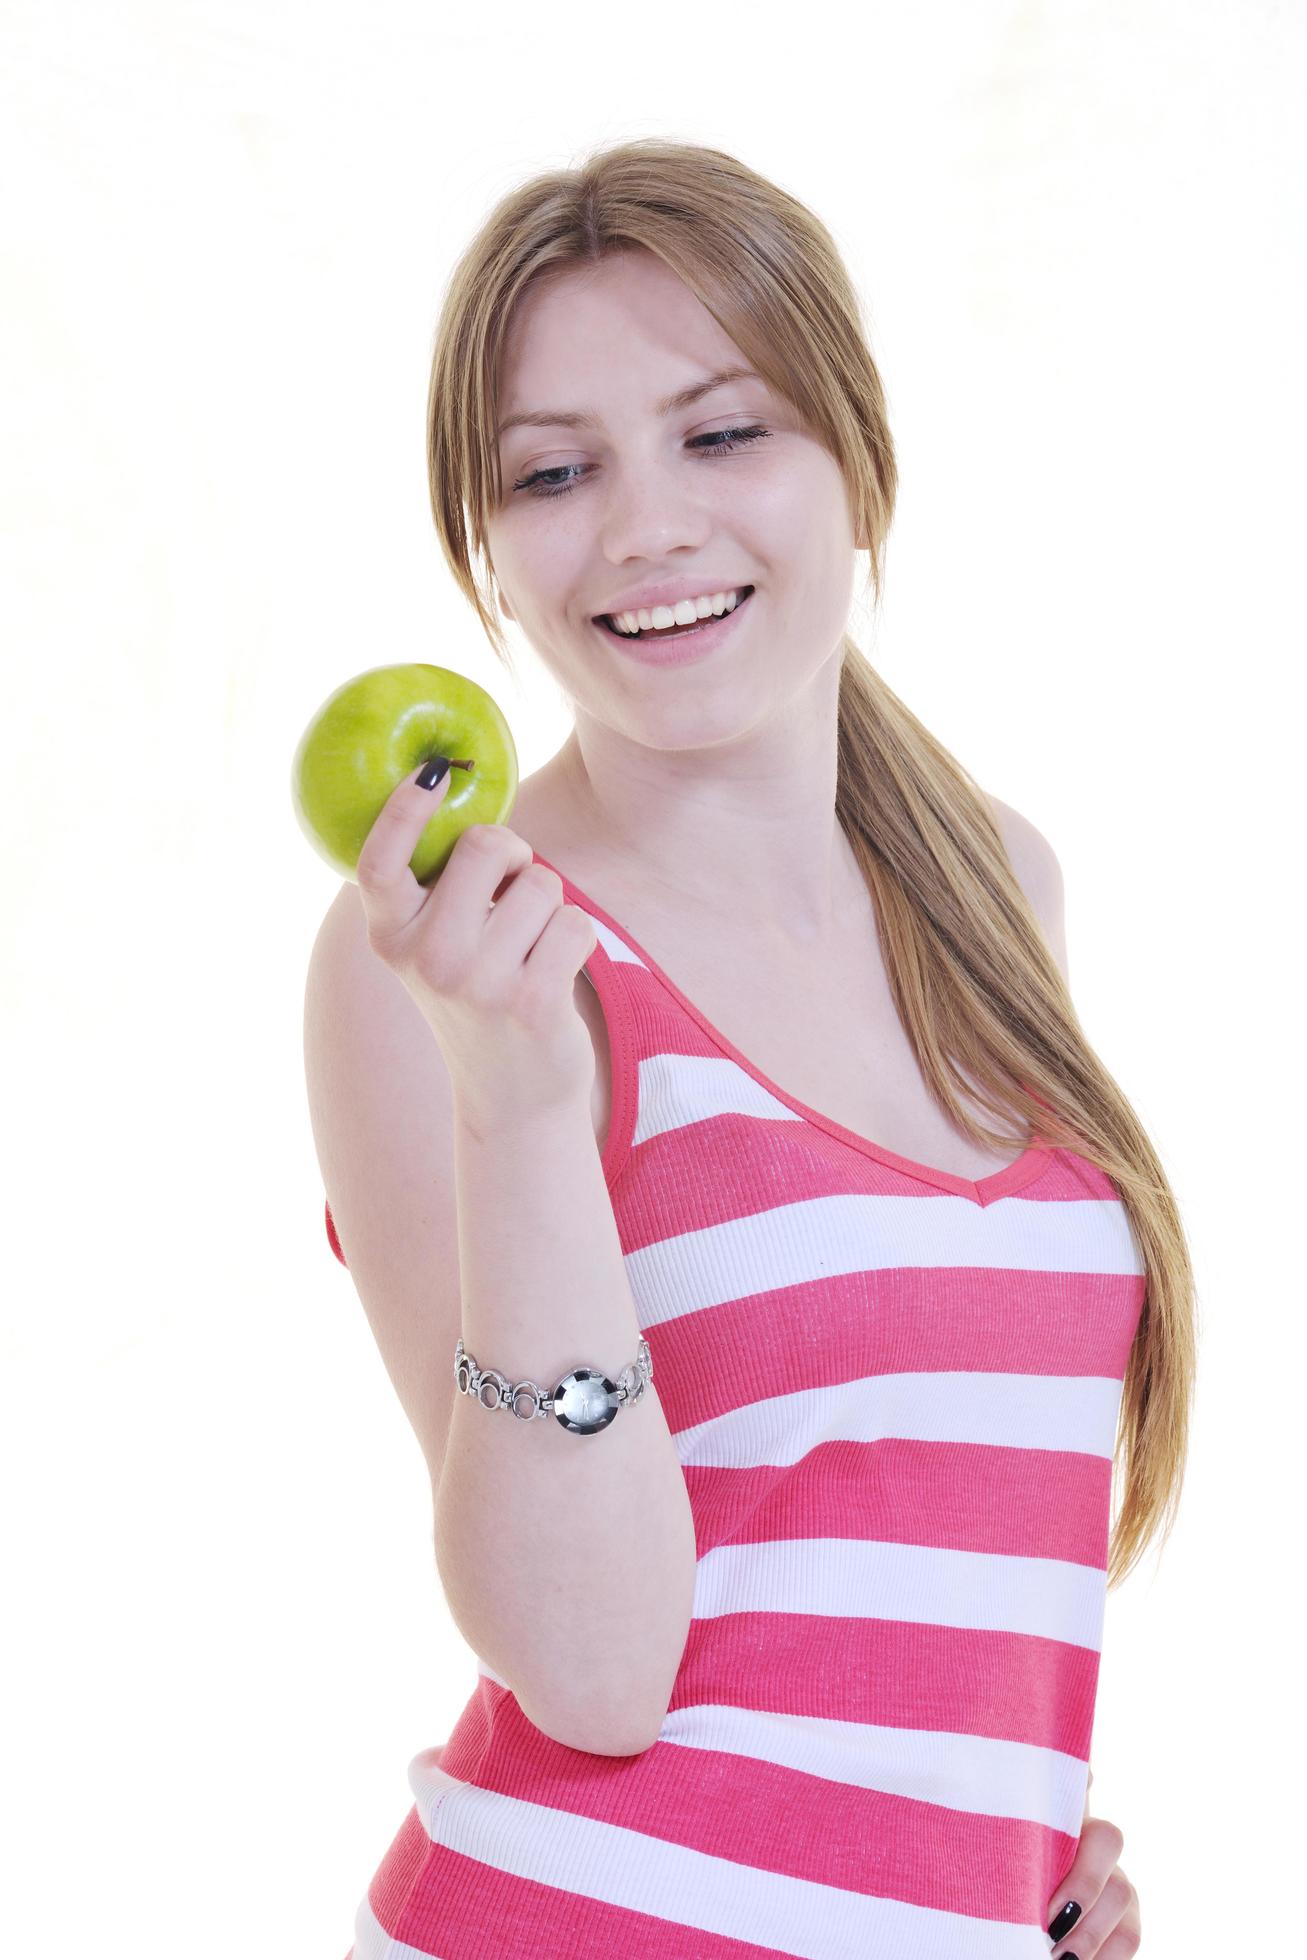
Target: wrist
492 1118
584 1400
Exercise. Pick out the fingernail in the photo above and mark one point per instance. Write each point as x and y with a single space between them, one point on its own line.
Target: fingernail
433 772
1062 1925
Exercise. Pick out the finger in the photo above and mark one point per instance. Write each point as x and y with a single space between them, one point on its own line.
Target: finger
1109 1926
390 894
1081 1887
483 865
562 949
1124 1942
524 940
530 899
444 938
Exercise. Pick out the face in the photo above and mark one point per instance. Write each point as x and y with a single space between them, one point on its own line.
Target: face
639 498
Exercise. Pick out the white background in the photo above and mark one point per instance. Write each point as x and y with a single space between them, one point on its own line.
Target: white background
226 228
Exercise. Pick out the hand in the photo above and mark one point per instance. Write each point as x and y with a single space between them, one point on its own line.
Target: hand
1108 1925
495 981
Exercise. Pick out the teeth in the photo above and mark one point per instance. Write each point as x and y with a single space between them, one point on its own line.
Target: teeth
683 613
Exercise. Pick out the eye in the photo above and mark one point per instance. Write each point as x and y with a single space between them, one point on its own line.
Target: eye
717 442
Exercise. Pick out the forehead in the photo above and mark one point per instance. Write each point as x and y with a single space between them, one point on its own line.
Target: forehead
609 338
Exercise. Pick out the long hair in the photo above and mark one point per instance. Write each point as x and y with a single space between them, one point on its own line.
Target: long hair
979 995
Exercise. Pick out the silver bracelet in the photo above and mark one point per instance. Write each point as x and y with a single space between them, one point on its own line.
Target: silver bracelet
584 1401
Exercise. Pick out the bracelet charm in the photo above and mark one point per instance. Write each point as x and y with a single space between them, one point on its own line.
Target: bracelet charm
584 1401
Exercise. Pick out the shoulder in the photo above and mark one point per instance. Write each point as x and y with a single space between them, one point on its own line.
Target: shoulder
1033 857
1038 872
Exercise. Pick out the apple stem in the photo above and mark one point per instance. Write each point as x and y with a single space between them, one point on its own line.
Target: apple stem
469 764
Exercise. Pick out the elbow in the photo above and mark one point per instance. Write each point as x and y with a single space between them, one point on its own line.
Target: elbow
593 1732
609 1745
631 1748
633 1740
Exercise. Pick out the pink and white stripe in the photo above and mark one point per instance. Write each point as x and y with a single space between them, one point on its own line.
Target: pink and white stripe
894 1393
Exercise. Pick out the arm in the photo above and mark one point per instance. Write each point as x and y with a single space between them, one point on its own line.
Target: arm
507 1236
1039 874
589 1593
1094 1869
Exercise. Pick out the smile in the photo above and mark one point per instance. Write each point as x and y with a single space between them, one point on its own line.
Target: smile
666 646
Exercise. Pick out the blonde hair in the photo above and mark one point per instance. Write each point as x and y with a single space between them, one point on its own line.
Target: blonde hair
979 995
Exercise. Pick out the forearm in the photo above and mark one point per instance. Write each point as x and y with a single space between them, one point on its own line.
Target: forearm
568 1561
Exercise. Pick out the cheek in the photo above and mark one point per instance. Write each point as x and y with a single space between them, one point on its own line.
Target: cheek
794 513
537 577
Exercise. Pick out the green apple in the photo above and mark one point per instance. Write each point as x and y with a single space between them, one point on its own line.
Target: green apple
380 727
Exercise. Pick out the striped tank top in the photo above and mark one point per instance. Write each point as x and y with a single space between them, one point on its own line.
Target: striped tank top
894 1394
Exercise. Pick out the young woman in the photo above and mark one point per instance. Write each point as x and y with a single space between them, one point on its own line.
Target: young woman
733 1097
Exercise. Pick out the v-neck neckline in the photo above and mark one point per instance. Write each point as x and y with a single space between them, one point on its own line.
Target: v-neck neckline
981 1191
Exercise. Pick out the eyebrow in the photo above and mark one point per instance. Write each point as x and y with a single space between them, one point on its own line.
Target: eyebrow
548 418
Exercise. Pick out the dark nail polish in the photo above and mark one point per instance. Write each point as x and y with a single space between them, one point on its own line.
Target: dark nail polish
433 772
1070 1956
1062 1925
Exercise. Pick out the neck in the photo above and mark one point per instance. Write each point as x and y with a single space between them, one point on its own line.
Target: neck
749 835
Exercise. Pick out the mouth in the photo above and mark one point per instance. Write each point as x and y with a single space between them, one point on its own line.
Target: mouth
654 635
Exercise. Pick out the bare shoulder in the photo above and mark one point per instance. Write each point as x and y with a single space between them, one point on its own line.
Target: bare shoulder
381 1109
1039 874
1033 857
344 916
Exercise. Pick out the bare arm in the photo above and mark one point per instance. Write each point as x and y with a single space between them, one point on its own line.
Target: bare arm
588 1592
567 1561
